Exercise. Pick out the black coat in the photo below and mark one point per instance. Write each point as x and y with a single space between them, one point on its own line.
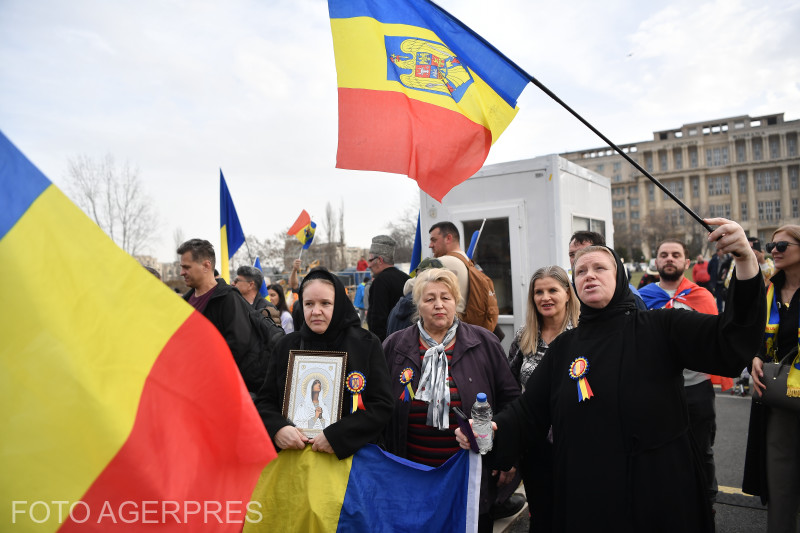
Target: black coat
754 479
230 313
364 354
625 455
387 288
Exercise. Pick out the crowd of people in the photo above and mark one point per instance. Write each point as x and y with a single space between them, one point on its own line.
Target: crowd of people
603 403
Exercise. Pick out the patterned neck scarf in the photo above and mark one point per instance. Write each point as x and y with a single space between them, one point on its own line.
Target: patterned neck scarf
433 383
770 336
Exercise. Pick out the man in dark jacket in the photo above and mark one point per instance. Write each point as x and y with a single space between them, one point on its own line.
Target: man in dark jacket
387 285
224 307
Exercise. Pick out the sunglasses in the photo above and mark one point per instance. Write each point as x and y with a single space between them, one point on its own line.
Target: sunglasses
781 246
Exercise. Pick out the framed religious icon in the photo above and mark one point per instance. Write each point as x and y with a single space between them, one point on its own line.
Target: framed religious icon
314 389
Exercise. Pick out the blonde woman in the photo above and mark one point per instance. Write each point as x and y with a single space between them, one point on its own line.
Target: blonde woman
552 308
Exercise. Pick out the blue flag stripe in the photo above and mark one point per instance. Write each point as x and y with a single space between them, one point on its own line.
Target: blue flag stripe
21 183
228 218
368 501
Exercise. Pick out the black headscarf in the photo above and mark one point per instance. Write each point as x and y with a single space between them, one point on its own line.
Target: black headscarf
622 301
344 315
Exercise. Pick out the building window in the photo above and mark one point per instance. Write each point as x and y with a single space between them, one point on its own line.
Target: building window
648 162
791 145
633 189
740 153
795 209
616 178
634 214
600 168
634 227
744 211
742 177
675 187
662 160
793 171
695 186
770 210
619 215
677 156
768 180
716 157
757 143
651 192
618 203
719 185
634 203
693 155
774 147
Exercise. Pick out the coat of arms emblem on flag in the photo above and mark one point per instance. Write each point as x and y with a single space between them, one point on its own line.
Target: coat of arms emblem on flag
426 66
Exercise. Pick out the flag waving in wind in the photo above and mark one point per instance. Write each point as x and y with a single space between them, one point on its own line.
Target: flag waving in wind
304 229
231 234
419 93
105 409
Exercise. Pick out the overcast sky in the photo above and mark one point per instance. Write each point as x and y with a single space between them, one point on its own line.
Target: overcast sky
183 88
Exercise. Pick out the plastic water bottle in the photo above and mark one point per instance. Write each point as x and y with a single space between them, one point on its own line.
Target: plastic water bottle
482 423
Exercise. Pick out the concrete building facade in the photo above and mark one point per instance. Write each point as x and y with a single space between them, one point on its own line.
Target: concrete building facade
743 168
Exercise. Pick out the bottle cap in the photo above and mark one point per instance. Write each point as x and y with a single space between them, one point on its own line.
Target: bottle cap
481 397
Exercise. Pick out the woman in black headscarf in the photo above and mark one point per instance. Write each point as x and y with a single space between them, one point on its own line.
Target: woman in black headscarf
330 324
612 388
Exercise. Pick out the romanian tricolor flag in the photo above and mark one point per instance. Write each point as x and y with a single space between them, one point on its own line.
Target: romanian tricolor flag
121 406
371 491
304 229
230 232
420 94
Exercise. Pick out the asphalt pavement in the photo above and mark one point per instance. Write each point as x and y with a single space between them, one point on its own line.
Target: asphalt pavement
736 512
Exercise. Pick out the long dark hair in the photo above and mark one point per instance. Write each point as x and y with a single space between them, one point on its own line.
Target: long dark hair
281 303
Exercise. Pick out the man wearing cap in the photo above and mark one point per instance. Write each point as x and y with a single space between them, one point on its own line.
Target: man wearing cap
387 284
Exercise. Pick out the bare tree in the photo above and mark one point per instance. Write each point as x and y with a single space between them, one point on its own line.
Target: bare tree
114 198
341 220
403 231
178 237
330 222
269 251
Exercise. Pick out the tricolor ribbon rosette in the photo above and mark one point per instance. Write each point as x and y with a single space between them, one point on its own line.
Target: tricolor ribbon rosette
406 376
355 383
577 371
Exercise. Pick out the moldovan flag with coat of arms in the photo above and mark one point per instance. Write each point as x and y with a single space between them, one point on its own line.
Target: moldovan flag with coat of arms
122 407
420 94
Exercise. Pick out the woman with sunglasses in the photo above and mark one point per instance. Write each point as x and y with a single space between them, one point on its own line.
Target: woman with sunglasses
772 464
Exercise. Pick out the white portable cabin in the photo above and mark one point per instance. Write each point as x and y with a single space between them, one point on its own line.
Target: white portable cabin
531 207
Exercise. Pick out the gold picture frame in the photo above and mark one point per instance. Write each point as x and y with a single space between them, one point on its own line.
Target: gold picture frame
314 389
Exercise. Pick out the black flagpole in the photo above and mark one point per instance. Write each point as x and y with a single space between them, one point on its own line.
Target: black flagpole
574 113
